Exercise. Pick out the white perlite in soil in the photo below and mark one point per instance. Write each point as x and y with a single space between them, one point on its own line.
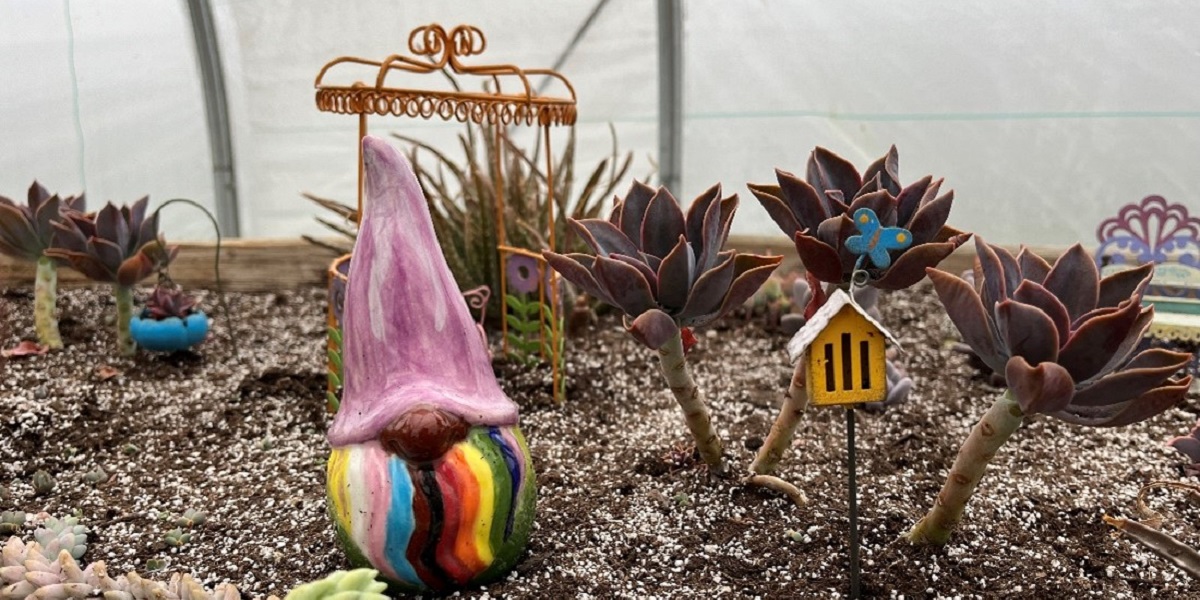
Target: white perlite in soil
625 510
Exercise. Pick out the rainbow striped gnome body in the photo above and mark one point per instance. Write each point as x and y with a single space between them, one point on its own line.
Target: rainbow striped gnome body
430 480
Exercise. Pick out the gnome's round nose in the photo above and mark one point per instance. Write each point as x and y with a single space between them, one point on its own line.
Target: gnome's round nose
423 433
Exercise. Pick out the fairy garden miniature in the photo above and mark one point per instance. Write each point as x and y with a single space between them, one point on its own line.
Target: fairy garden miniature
170 321
26 233
668 273
861 234
430 479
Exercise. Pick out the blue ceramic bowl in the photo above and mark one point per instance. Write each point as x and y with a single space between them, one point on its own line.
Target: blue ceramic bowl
169 335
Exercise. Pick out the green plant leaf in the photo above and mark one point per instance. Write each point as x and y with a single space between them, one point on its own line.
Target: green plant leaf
522 325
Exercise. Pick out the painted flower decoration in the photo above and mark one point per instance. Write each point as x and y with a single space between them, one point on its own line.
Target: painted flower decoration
522 273
664 269
817 214
1064 338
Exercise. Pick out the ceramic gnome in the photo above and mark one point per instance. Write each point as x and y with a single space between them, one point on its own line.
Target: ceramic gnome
430 480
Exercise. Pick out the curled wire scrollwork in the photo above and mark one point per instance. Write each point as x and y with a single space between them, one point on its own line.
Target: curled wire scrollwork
434 42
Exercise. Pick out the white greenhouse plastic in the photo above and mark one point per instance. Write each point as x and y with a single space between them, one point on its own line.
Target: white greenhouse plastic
1045 117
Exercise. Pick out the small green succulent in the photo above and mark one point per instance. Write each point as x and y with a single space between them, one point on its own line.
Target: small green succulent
11 522
359 584
191 518
43 482
176 538
95 476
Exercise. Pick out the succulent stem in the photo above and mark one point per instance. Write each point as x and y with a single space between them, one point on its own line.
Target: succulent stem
695 413
45 296
996 426
795 402
124 296
1162 544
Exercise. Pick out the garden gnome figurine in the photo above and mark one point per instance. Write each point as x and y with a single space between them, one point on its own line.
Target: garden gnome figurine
430 480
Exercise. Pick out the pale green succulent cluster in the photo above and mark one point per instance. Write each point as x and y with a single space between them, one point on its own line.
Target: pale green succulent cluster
62 534
26 572
191 518
359 584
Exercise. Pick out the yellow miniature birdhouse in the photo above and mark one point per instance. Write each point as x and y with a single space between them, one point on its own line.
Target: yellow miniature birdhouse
845 353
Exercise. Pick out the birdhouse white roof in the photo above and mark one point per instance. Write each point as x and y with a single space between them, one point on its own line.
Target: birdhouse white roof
833 305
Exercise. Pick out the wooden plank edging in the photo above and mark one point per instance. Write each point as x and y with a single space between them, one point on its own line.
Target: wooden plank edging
265 265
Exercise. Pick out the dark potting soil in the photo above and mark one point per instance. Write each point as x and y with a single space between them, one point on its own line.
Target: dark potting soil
624 508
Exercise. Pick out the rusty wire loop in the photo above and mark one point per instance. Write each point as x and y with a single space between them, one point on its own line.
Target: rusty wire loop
442 50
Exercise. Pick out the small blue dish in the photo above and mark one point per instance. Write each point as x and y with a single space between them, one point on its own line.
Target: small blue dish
171 334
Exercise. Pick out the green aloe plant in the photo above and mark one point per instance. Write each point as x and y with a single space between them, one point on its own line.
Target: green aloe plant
117 245
1065 340
462 198
667 272
26 232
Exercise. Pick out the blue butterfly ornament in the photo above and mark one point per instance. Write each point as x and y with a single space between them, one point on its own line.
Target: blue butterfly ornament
874 240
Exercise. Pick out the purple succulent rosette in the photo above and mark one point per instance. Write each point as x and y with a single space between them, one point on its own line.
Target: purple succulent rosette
1064 338
118 245
1189 446
28 230
816 213
408 337
664 269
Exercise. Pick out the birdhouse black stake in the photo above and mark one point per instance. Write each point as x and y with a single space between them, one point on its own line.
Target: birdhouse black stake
853 491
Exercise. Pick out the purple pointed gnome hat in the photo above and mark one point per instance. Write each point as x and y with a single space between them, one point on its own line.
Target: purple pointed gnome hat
407 336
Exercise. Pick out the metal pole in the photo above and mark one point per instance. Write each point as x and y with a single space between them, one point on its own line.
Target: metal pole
217 110
854 583
578 37
670 93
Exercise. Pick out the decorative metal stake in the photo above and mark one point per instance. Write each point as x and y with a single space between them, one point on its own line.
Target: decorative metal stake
850 459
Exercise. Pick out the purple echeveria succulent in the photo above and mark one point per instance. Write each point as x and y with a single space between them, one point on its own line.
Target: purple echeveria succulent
120 246
666 271
169 301
1064 337
816 215
1189 446
662 268
26 231
1065 340
117 245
